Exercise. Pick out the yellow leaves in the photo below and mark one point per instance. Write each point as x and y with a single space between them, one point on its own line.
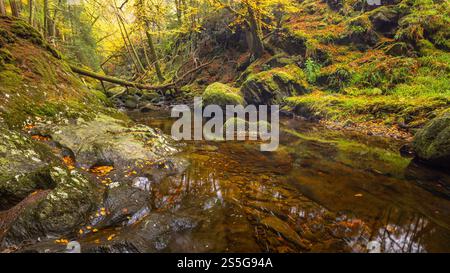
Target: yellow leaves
102 170
111 237
358 195
80 232
62 241
106 181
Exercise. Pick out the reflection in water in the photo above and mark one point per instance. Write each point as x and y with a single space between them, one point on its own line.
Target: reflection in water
322 191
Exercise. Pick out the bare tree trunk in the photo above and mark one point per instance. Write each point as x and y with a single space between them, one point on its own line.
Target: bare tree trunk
31 12
2 8
178 9
14 8
54 31
153 55
256 45
46 18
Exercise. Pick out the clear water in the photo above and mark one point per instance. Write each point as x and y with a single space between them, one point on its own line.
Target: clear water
321 191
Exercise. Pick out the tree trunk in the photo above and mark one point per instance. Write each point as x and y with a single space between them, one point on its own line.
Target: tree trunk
162 87
256 44
126 37
153 56
178 9
31 12
2 8
14 8
46 18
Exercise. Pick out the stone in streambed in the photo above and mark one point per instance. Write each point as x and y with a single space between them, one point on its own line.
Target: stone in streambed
285 230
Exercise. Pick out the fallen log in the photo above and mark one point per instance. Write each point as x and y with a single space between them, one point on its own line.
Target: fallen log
162 87
118 81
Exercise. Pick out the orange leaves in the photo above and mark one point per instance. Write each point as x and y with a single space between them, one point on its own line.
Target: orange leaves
70 163
28 127
40 138
102 170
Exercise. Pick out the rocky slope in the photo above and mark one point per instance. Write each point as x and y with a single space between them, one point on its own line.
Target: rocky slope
63 152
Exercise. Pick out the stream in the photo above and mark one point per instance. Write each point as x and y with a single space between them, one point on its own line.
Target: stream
322 190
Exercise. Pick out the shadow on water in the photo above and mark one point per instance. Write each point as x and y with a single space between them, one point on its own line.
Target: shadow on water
321 191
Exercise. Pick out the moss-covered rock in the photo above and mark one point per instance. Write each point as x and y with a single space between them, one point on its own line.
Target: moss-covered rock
37 193
432 143
270 87
60 212
22 167
360 32
222 95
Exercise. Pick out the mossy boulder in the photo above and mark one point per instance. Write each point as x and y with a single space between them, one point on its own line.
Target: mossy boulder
432 143
38 195
385 20
22 167
221 94
61 211
360 32
272 86
290 42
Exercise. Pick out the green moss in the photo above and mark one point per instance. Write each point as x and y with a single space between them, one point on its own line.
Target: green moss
432 143
286 74
5 58
10 78
426 19
358 155
222 95
45 69
413 111
25 31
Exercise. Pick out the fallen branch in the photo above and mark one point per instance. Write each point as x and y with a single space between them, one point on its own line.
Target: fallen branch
162 87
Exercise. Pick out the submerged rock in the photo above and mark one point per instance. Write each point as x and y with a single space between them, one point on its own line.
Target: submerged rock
432 143
285 230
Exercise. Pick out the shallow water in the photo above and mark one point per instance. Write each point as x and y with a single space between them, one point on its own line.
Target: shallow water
322 190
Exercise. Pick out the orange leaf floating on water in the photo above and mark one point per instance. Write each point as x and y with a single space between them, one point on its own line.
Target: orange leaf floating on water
358 195
102 170
111 237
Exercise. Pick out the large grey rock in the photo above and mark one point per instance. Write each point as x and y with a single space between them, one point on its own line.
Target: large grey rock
106 140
